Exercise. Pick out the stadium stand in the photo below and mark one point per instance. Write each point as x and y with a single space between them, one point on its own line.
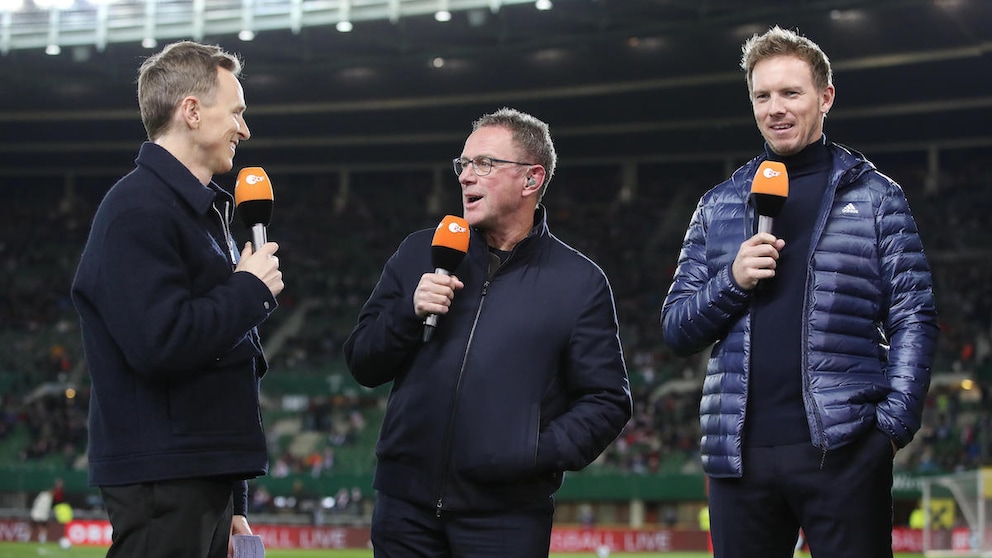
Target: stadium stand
337 228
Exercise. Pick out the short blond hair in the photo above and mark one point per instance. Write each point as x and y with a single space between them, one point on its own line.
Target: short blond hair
783 42
181 69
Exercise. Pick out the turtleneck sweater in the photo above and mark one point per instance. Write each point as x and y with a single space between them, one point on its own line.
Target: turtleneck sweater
776 414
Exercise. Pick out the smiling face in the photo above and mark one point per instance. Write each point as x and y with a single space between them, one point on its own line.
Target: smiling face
221 125
788 107
499 203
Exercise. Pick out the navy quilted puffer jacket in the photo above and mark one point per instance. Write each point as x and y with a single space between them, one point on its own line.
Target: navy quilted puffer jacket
870 324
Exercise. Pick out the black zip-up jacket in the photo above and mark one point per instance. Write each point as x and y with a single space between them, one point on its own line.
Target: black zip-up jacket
170 333
523 379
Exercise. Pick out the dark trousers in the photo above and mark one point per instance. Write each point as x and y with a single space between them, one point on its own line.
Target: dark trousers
403 530
842 500
188 518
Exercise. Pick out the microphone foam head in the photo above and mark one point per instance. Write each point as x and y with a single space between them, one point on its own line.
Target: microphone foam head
253 196
770 188
450 242
252 184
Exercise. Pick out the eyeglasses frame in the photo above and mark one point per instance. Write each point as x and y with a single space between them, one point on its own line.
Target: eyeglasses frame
457 162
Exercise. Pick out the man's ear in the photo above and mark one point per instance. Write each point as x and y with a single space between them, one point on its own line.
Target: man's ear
189 109
535 177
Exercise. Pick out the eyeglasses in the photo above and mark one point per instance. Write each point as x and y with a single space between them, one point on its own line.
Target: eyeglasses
481 165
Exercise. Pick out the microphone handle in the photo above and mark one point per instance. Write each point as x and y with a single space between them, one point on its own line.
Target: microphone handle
431 322
764 224
258 237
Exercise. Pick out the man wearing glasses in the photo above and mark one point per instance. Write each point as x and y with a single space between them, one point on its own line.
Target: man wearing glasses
523 379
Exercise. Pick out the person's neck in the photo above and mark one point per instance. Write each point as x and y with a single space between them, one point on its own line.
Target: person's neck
508 236
182 151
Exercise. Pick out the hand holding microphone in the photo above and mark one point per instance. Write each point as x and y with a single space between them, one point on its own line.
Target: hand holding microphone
448 248
253 198
263 263
757 256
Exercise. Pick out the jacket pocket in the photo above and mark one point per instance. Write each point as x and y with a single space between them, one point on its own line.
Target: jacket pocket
222 399
501 449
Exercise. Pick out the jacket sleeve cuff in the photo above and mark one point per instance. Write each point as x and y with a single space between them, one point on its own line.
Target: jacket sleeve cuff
734 287
263 301
239 495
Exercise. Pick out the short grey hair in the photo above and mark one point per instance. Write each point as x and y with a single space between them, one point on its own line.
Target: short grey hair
530 134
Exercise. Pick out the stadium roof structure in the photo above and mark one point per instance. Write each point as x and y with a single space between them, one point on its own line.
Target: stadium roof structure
399 86
52 24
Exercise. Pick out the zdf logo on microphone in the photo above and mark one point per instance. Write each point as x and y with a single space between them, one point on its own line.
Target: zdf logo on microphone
456 228
254 179
770 172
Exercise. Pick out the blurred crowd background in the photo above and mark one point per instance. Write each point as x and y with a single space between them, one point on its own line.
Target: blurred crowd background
335 233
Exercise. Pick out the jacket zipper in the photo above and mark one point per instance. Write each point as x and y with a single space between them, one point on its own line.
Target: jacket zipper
821 223
446 446
807 396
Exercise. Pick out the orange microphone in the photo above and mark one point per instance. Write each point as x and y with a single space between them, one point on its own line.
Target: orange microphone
769 190
253 198
447 251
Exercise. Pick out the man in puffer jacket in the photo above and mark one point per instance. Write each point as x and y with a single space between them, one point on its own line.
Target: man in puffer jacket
823 329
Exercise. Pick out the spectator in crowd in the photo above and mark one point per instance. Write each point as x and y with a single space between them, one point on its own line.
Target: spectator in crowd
261 500
523 380
824 328
41 513
169 313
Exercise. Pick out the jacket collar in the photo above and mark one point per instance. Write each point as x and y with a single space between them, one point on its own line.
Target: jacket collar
540 222
846 167
177 177
539 230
